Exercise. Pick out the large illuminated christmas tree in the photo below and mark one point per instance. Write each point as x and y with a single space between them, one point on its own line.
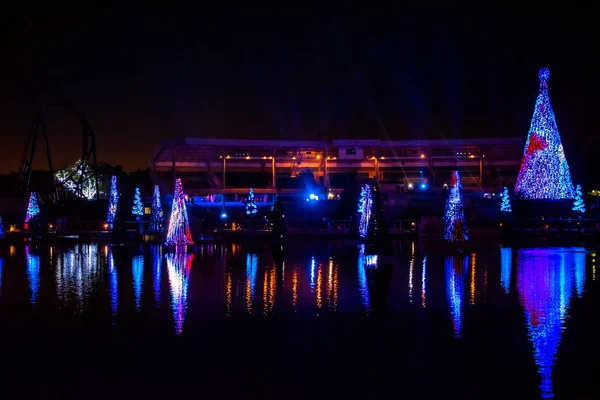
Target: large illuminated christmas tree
544 172
156 219
32 207
137 209
178 233
455 224
113 201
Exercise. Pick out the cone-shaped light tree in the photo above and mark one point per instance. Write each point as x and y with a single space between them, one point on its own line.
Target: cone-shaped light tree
33 208
113 201
137 209
455 224
157 217
365 208
251 208
544 172
505 204
1 228
178 233
578 204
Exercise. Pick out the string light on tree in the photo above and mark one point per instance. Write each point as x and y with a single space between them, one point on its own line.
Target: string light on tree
544 172
157 217
365 206
578 204
178 233
505 204
33 208
251 208
78 173
113 201
455 224
138 209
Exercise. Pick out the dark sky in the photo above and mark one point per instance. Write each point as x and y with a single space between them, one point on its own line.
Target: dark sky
142 78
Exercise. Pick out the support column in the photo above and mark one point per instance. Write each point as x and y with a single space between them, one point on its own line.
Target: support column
224 172
273 175
326 171
481 171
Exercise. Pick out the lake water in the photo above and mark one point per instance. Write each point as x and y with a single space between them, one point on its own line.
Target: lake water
318 320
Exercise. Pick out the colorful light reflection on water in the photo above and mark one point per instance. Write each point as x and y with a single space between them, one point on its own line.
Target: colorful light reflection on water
546 281
311 284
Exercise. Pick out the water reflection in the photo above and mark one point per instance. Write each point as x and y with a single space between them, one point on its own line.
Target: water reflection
77 273
179 265
363 283
113 282
424 283
156 251
505 268
269 289
137 272
546 281
33 273
332 285
1 265
456 268
251 271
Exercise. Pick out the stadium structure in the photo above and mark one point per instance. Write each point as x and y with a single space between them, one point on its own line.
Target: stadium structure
225 166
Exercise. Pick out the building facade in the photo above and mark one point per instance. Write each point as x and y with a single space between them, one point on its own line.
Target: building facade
214 166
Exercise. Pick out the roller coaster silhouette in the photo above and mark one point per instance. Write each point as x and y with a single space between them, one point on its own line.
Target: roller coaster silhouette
59 194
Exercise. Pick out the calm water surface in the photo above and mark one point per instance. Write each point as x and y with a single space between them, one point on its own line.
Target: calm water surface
318 320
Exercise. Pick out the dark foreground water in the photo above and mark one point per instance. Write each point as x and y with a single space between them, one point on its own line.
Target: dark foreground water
320 320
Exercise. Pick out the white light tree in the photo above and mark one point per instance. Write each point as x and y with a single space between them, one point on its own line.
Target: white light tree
78 174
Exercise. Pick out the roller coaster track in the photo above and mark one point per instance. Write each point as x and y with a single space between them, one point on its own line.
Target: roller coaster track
88 154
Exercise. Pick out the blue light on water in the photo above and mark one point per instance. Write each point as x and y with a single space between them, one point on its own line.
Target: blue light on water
33 273
505 268
546 282
455 288
156 251
363 283
113 282
313 265
137 271
251 272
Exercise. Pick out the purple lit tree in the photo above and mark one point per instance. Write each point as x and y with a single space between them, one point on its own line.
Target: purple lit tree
455 224
544 172
33 208
178 233
157 217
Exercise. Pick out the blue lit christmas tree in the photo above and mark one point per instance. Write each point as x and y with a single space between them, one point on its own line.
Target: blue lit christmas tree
365 208
251 208
178 233
455 224
505 205
33 208
578 204
157 217
113 201
1 228
138 209
544 172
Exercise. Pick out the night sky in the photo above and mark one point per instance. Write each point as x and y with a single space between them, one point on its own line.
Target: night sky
141 79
